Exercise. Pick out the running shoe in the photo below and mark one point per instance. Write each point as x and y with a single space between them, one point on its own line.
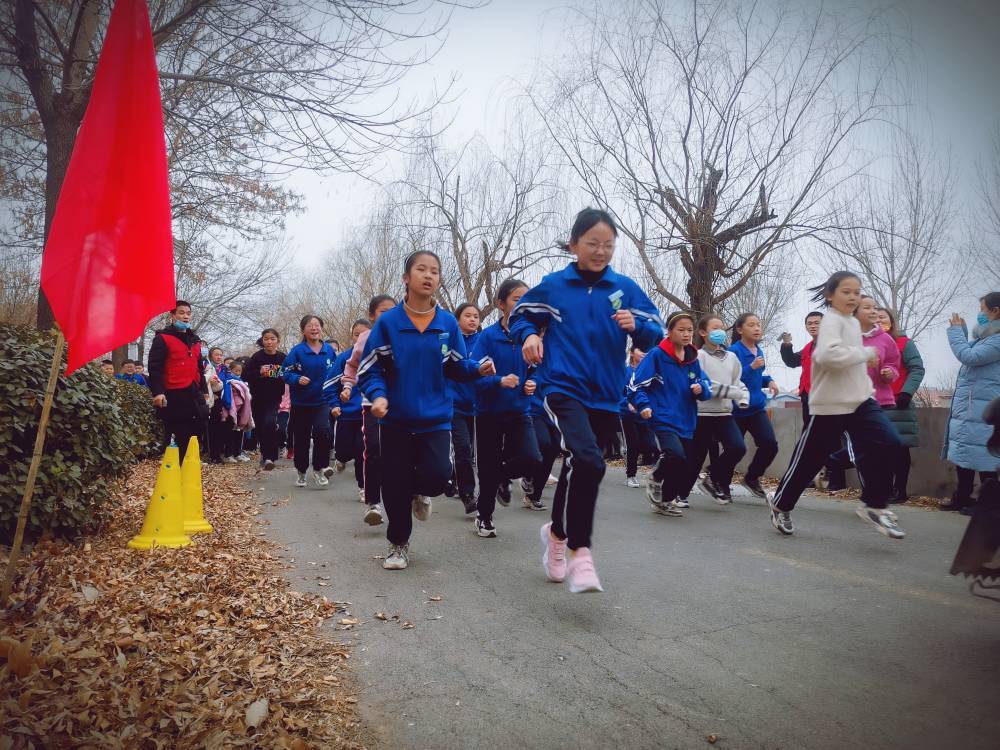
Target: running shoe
421 507
527 488
780 519
469 501
374 516
361 494
537 504
654 491
503 493
243 458
632 482
553 555
289 454
320 479
340 466
268 465
582 574
328 472
707 487
680 502
397 558
449 490
753 484
882 519
485 528
667 509
229 460
725 496
301 481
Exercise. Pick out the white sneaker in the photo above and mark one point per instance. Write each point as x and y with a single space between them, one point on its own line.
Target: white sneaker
230 460
327 472
340 466
421 507
632 482
301 481
882 519
486 529
361 494
667 509
680 502
374 515
397 558
243 458
319 479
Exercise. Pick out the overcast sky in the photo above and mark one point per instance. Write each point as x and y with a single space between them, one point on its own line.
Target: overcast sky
956 69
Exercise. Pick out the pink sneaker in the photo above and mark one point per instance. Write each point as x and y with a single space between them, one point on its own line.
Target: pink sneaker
582 576
554 555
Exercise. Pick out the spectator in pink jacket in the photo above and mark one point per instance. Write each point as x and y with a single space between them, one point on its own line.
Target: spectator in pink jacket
885 370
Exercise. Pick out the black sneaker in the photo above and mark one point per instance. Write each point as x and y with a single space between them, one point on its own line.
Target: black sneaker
753 484
469 501
537 504
898 498
449 490
485 529
707 487
725 496
503 493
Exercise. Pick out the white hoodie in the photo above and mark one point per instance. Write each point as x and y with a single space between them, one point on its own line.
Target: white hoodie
840 382
723 368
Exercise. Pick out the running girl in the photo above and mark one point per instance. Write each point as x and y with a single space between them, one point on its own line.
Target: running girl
664 390
411 350
463 423
588 312
304 370
505 436
841 401
747 333
267 387
715 416
631 422
348 444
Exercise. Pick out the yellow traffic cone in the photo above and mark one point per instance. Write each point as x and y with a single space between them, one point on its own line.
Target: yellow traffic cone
194 505
164 524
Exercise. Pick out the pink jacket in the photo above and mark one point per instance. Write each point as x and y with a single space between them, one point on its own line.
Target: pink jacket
888 356
286 400
240 410
351 365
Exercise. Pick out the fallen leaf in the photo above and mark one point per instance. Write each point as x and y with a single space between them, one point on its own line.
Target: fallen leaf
348 621
712 739
256 713
435 598
20 660
408 625
89 592
381 616
120 658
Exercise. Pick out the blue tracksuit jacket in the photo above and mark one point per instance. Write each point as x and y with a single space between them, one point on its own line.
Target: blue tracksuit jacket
408 368
491 397
464 394
584 349
663 383
755 380
350 411
302 360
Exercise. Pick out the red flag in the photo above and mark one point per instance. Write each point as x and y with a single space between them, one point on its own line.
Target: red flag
108 265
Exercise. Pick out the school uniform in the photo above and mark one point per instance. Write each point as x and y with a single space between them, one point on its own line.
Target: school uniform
506 445
463 428
409 368
546 437
348 440
310 410
662 382
582 375
753 418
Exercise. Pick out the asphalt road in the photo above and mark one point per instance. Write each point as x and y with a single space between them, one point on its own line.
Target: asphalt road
711 624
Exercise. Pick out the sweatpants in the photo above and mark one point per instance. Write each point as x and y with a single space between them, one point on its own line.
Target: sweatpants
507 449
873 439
311 423
371 432
721 430
282 429
182 417
413 463
463 435
218 431
633 445
583 434
547 437
759 426
672 468
265 420
348 445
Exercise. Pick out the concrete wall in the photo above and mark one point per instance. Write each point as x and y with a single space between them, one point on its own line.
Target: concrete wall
929 475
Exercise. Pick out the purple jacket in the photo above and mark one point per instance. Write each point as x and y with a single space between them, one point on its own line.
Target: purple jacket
888 357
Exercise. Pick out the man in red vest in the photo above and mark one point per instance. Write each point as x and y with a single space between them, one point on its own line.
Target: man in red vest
177 379
802 359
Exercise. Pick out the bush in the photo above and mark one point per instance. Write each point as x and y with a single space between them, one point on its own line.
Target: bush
98 427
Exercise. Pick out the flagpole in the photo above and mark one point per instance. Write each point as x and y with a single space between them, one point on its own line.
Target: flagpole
36 459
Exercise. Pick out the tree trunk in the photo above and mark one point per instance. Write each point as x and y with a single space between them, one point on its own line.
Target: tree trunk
699 285
58 150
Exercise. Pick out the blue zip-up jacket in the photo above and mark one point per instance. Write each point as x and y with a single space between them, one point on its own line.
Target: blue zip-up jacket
133 378
623 411
663 383
754 380
350 411
409 369
464 394
491 397
584 349
302 360
536 406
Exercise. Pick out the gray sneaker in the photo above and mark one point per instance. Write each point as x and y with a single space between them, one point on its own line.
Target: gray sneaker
654 491
780 519
421 507
397 558
883 520
301 481
319 479
373 515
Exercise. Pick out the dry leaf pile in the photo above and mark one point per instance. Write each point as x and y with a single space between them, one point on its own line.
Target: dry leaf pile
201 647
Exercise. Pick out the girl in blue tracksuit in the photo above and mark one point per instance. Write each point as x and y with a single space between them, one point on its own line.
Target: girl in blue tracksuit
747 333
348 442
463 423
664 390
547 438
505 436
305 370
588 312
409 353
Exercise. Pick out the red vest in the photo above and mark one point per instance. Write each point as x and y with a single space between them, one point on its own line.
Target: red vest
897 384
805 379
181 367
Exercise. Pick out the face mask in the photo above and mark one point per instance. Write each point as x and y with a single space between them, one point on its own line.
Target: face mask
204 351
717 337
982 318
182 325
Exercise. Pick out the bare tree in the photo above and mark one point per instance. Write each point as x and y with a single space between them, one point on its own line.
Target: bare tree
899 234
715 134
251 89
989 182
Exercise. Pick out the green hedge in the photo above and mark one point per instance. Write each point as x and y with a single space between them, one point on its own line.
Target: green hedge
97 429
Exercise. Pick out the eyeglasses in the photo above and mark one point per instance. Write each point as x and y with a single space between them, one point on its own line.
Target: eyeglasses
594 246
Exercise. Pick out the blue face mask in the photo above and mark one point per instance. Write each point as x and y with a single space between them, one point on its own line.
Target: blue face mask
182 325
982 318
717 337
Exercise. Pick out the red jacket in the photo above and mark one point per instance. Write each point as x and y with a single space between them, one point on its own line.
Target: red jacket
897 385
801 359
175 361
